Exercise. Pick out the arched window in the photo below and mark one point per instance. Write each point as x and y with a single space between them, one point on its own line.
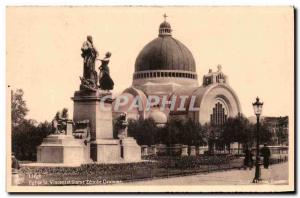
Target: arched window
218 117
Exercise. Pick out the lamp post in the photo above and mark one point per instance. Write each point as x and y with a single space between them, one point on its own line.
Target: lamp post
257 106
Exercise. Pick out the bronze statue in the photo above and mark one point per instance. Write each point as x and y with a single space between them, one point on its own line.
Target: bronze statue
105 81
122 125
59 123
89 55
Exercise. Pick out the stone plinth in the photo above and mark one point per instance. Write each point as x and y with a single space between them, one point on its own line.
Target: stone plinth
202 150
153 149
130 150
144 150
94 106
105 150
60 149
184 150
192 151
69 130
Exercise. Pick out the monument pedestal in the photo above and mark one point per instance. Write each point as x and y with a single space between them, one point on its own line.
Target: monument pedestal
96 106
60 149
130 150
105 150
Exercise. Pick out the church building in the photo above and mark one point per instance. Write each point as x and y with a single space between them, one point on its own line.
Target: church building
165 67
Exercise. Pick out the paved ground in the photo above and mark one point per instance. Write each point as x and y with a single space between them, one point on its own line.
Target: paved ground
276 174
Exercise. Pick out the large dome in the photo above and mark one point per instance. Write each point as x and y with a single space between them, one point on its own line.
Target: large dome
164 63
165 53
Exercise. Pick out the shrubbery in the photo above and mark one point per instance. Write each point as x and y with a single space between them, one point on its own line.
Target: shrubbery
88 169
190 161
175 132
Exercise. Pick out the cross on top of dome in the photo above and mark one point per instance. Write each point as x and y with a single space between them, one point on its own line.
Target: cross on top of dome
165 16
165 28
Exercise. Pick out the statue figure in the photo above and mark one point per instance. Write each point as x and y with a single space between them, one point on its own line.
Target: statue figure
105 81
89 55
59 123
55 123
122 126
82 130
87 84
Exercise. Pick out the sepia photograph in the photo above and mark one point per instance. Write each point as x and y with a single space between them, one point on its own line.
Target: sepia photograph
150 99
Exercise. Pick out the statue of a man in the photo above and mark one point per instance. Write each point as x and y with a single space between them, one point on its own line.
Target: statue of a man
89 55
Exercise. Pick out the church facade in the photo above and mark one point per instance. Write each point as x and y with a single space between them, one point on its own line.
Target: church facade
166 68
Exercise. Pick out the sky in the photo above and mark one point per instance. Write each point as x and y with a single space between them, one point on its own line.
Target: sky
254 45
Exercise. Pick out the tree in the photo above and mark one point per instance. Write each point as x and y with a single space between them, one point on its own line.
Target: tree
237 129
27 136
192 133
176 131
144 131
18 108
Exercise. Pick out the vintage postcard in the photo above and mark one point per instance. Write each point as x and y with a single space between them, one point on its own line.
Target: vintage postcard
150 99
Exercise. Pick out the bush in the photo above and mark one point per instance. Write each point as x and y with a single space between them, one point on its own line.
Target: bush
87 169
187 162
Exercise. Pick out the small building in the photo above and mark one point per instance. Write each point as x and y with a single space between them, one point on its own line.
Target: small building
279 127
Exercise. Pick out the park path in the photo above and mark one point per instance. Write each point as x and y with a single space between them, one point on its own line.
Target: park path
276 174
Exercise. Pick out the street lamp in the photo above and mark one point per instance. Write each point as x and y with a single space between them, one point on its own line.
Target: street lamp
257 106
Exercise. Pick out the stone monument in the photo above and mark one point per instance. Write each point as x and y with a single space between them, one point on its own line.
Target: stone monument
93 102
91 139
61 147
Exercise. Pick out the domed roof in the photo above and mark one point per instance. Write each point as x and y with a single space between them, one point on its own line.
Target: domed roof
165 24
158 116
165 53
